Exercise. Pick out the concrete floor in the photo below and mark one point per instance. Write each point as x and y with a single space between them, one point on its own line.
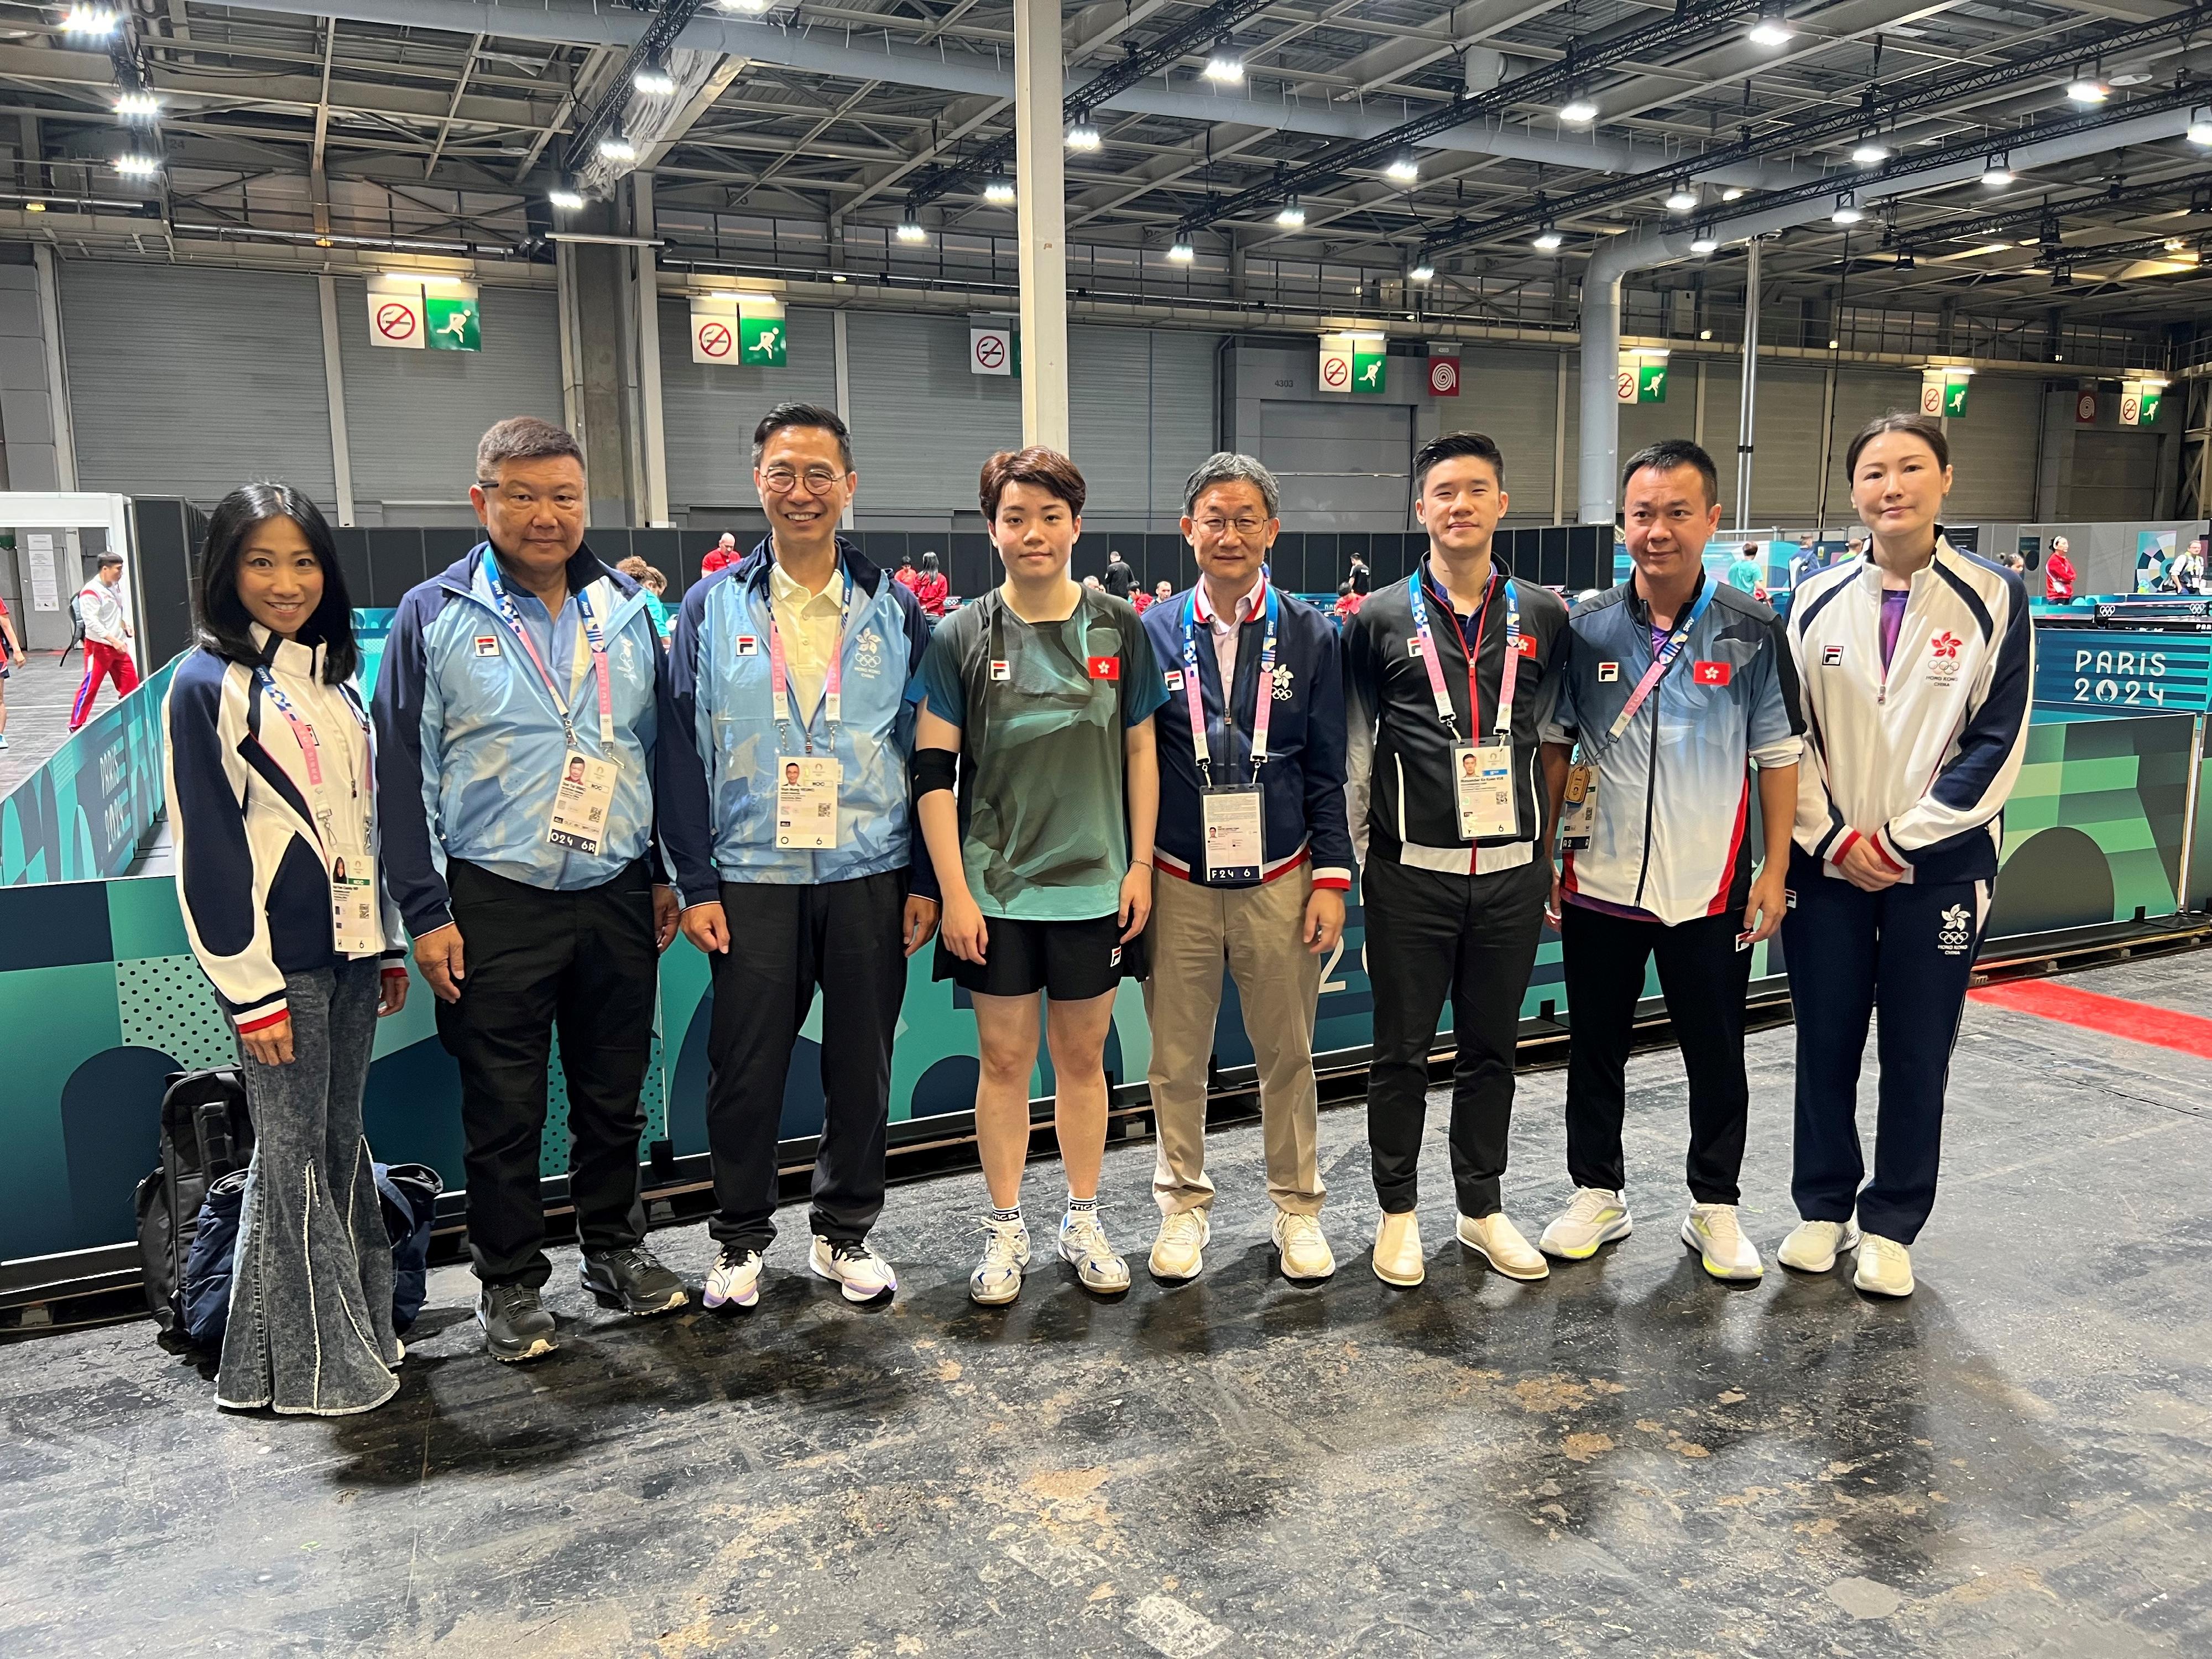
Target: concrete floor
38 695
1627 1459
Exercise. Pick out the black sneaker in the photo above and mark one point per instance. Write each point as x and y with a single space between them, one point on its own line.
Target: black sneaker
634 1281
515 1326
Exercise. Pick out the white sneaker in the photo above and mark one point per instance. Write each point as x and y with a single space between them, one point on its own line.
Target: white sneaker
851 1263
735 1278
1596 1217
1179 1251
1885 1266
1305 1252
1499 1243
1398 1259
998 1276
1083 1244
1813 1246
1711 1230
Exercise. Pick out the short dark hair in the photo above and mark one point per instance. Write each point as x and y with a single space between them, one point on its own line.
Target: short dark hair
1668 454
523 438
1046 469
106 560
1925 427
813 414
224 625
1450 446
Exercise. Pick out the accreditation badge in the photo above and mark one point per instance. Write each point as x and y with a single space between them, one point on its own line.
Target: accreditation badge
806 802
1482 783
582 803
353 907
1581 813
1231 819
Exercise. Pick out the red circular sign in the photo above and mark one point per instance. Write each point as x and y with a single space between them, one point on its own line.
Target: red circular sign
714 339
395 321
990 350
1334 371
1443 375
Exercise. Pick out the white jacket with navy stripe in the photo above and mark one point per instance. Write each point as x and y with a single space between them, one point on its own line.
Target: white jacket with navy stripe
250 877
1917 757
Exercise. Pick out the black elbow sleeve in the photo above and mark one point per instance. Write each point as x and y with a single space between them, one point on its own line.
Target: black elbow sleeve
933 769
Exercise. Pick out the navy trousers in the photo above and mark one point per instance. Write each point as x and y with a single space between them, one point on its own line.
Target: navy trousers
1909 950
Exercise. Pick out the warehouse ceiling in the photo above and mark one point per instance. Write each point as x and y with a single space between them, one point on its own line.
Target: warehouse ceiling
808 133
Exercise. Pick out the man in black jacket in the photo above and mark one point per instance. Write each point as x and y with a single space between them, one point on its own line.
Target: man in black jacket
1449 677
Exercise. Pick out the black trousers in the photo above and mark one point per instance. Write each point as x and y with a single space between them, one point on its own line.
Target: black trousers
843 939
1472 938
1704 977
532 960
1911 949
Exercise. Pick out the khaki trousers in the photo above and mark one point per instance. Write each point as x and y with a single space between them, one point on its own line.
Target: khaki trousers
1254 930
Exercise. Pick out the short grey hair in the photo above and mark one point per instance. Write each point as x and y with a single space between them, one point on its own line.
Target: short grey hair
1227 466
522 438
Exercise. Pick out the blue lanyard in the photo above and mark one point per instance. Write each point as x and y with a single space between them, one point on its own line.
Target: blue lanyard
1661 662
1263 702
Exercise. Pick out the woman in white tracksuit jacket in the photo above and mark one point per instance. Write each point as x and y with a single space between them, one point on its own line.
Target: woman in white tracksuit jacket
271 804
1916 664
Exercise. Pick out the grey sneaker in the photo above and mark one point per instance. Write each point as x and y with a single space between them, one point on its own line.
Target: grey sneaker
515 1327
997 1277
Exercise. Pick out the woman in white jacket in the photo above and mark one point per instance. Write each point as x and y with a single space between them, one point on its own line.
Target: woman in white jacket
272 806
1917 668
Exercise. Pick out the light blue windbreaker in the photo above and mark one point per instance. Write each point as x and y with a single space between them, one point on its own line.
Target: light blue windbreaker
469 746
719 791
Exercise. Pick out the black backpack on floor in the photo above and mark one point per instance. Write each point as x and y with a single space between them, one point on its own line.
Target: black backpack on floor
206 1134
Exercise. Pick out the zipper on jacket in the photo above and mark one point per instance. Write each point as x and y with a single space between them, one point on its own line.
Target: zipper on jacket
1650 796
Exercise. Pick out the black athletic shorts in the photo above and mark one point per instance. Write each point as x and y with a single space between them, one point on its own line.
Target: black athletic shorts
1068 961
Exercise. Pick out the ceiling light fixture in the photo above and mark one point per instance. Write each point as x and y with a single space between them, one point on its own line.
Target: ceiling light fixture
1681 199
616 147
909 229
1705 334
138 105
1290 216
1422 270
1848 212
1705 241
1404 169
1180 251
2174 245
1772 27
2200 131
1577 111
1870 153
1733 194
998 189
1547 240
756 7
96 22
654 80
1225 67
1996 175
564 199
1904 260
1083 137
137 166
2086 88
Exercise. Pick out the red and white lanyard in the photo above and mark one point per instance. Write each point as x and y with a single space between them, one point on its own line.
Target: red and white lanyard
1509 677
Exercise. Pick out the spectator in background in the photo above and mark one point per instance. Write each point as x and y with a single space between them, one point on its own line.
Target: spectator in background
726 552
1361 578
654 585
11 651
1348 599
2058 574
906 576
1092 582
2013 562
1163 590
1120 580
1744 574
2189 568
930 588
107 639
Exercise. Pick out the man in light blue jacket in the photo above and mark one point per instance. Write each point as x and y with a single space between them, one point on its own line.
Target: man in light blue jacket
517 710
785 789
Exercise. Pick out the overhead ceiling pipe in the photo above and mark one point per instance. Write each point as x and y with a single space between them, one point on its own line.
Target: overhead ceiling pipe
1644 249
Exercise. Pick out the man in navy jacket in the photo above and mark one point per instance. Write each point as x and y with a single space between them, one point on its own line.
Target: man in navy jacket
1254 856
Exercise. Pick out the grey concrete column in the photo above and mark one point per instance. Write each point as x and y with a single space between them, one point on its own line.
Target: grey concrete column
334 389
1746 425
645 343
1043 221
1601 430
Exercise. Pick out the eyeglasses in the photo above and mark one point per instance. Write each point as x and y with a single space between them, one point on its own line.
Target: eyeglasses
1242 527
818 480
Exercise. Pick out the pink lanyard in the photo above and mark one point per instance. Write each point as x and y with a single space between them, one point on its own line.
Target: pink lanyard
310 747
1509 677
1265 697
593 637
833 680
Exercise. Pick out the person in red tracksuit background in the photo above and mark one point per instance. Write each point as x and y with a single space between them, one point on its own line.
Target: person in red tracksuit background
107 639
2058 574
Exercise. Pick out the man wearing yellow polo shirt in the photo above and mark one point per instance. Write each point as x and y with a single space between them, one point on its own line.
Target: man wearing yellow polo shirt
784 808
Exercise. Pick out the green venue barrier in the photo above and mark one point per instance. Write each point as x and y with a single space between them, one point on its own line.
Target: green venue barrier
101 998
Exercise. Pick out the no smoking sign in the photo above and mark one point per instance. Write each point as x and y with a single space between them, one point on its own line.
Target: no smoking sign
396 319
1336 372
715 339
991 351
